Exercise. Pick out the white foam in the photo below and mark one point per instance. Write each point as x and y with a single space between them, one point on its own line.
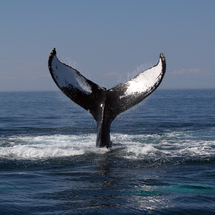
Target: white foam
42 147
170 145
165 146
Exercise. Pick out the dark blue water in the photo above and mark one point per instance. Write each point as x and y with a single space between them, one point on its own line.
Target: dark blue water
162 160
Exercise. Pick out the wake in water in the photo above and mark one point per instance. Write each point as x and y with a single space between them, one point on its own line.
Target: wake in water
168 146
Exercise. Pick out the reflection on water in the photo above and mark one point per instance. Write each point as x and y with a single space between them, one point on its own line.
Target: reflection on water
105 182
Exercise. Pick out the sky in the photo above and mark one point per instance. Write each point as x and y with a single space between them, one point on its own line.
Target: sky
108 41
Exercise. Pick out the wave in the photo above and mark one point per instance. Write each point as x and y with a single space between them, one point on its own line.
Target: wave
173 145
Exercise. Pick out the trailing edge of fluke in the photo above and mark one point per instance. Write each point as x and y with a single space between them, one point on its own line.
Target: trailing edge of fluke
105 105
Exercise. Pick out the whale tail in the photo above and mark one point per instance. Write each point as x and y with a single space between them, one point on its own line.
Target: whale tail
105 105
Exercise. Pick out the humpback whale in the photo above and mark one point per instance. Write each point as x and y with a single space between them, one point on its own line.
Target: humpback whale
105 105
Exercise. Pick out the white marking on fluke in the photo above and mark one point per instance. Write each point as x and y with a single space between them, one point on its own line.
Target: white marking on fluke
144 81
67 77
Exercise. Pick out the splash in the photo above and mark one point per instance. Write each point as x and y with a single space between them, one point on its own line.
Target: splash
143 147
42 147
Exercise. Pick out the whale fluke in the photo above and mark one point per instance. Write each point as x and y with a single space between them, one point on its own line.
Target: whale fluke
105 105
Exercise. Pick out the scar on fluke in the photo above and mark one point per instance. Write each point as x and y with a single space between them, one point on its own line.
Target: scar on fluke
105 105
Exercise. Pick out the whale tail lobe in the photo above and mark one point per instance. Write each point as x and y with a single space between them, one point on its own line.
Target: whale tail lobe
105 105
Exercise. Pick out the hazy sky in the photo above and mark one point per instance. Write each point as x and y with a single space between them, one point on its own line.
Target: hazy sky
108 41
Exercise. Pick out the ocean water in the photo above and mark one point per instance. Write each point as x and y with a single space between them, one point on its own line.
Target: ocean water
162 160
